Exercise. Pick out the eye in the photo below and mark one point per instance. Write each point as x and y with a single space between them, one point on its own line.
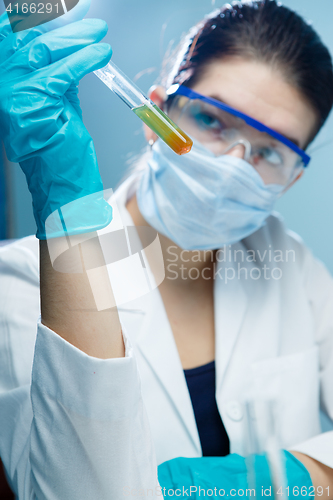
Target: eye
270 155
207 121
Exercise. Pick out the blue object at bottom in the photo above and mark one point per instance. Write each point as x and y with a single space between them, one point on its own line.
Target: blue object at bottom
225 477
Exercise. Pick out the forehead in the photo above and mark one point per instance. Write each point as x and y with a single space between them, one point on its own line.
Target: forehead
261 92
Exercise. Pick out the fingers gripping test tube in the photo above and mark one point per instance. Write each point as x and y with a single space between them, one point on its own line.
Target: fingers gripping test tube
145 109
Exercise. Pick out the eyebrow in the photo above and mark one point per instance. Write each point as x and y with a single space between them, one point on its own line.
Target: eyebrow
291 139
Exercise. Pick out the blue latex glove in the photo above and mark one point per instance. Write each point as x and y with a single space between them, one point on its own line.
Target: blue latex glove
41 121
226 476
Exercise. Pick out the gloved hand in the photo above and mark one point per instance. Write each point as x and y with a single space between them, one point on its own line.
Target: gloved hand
41 121
220 475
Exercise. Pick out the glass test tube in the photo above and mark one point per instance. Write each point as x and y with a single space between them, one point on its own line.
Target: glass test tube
145 109
263 439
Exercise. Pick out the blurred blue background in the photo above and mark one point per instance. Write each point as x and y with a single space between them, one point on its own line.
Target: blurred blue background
140 33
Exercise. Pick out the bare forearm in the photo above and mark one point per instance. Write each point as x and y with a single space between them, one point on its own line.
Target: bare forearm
68 307
321 476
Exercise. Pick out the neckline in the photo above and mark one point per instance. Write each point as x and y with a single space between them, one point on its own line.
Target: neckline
200 369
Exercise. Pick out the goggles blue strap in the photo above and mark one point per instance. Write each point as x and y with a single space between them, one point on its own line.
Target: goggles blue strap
191 94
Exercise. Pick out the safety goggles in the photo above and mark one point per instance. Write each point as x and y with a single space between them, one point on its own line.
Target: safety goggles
220 128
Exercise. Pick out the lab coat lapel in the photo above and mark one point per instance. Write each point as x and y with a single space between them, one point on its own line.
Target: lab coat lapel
155 339
230 305
157 345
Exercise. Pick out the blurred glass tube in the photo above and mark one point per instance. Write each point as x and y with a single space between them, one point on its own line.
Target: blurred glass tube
263 440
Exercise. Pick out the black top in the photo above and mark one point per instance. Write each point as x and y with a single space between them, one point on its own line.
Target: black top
201 385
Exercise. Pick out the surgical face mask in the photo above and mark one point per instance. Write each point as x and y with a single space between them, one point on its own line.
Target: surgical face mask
203 202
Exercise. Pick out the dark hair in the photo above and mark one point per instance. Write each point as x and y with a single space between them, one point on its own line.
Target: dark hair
262 30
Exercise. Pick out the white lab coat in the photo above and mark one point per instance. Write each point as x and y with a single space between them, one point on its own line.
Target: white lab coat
91 427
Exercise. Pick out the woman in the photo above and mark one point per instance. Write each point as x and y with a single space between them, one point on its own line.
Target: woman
252 85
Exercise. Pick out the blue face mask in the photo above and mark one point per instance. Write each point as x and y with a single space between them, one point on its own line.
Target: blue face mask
203 202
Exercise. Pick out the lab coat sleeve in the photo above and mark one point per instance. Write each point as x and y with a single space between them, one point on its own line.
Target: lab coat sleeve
19 311
319 288
84 433
71 426
90 436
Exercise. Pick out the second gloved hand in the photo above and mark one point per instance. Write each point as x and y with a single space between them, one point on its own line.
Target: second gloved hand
218 477
41 121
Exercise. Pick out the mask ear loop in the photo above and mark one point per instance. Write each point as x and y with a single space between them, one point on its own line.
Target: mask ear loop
247 147
151 143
